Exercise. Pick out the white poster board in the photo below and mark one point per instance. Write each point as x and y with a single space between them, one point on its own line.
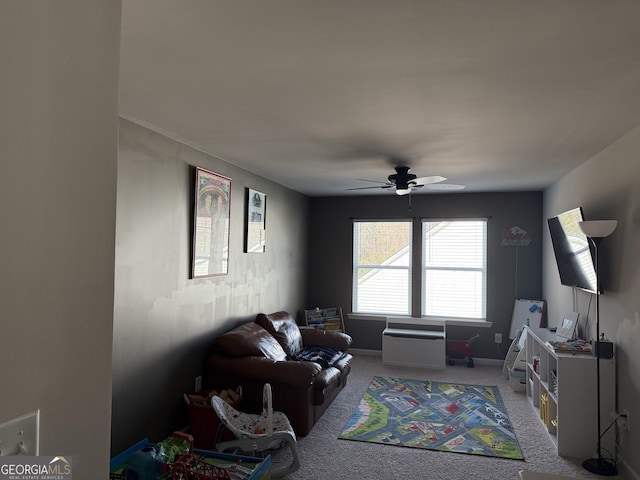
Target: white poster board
526 312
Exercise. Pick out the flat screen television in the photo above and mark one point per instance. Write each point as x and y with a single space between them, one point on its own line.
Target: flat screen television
573 251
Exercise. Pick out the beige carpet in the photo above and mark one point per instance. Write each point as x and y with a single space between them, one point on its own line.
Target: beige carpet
324 456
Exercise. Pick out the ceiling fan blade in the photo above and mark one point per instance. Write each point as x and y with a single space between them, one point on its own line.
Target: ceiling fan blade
375 186
374 181
445 187
428 180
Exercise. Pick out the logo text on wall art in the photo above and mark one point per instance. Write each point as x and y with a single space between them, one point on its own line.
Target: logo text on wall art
515 237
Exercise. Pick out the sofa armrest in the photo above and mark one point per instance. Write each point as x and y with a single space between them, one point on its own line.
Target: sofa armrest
264 370
325 338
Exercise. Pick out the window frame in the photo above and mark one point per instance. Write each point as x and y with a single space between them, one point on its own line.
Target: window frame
356 266
482 318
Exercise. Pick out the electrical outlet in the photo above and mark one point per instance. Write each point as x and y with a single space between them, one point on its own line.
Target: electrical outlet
498 338
198 383
624 420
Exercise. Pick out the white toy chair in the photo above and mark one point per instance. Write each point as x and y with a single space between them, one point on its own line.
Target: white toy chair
257 433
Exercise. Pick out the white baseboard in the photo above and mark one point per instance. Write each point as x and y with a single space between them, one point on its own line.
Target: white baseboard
364 351
488 361
378 353
630 472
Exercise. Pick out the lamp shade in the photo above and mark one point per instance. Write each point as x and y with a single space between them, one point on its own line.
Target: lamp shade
598 228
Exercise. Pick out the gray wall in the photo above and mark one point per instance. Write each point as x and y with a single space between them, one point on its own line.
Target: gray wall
164 321
330 247
606 187
58 151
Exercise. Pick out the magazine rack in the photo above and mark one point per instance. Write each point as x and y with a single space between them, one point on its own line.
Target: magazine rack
329 318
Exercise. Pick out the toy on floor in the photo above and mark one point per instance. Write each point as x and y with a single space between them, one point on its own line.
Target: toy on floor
258 432
460 350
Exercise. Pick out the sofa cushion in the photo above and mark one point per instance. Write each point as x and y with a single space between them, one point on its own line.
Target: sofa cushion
284 329
328 377
344 364
325 338
250 339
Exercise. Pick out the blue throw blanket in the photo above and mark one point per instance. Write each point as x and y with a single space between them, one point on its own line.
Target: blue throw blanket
324 356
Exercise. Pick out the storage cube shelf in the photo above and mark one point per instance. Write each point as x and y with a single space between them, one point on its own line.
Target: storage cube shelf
562 388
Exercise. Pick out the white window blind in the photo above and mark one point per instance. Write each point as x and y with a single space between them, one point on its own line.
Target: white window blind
454 269
382 267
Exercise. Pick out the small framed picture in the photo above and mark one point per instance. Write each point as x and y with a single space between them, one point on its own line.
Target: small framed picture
255 231
568 325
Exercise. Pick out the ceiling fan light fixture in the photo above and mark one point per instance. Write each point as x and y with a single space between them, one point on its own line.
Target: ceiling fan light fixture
404 182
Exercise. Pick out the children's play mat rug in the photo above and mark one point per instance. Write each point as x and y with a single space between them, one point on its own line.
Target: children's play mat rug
449 417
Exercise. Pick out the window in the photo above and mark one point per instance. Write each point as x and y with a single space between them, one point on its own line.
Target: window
382 267
454 259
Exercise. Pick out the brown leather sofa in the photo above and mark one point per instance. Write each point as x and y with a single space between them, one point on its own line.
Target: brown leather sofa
268 351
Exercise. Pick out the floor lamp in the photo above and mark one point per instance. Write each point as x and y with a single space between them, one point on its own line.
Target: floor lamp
596 230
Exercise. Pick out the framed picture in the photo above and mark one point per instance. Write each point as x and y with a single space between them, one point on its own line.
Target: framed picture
568 325
255 234
211 224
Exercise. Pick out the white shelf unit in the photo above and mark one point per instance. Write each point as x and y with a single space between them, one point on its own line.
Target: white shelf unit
414 342
571 415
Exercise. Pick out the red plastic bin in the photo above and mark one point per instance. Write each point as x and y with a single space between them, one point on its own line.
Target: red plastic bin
203 422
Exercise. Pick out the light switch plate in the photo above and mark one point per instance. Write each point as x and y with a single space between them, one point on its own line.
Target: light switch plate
20 436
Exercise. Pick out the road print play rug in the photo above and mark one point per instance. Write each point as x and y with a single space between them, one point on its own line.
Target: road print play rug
449 417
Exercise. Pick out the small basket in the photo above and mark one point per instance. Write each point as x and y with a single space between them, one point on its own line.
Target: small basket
203 421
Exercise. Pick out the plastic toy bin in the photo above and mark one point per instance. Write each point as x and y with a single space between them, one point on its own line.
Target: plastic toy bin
517 379
203 465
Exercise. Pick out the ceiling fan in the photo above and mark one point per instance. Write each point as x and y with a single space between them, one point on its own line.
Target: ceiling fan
404 182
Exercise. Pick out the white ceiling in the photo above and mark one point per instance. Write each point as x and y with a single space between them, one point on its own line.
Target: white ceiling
497 95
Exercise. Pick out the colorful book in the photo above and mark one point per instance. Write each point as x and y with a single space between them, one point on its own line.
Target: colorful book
570 346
